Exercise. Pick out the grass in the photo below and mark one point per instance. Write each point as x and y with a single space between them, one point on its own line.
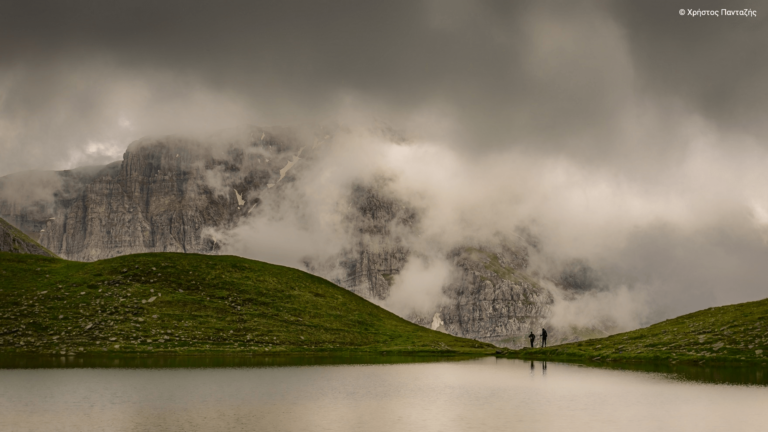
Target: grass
171 303
722 335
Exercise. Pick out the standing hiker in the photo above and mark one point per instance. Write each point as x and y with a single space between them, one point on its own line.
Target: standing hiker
532 337
543 338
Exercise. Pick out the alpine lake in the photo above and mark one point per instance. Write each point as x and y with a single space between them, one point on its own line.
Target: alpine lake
373 393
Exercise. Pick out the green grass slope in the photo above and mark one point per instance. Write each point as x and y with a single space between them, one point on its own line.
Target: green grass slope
728 334
13 240
194 304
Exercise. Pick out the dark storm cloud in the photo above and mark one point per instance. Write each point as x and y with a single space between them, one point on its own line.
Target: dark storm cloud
715 66
554 75
559 76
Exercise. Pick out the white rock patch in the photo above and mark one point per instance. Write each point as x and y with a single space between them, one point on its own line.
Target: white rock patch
437 322
240 200
289 165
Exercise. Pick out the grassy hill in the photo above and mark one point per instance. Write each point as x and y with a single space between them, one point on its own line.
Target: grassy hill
728 334
193 304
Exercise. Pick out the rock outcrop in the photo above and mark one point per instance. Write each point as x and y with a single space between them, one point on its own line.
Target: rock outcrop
14 241
159 198
378 221
29 199
492 298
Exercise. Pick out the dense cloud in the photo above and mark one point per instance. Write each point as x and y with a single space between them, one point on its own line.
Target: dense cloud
616 81
625 134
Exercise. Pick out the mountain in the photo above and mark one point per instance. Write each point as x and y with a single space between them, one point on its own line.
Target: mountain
29 199
727 334
174 194
160 198
177 303
491 298
14 241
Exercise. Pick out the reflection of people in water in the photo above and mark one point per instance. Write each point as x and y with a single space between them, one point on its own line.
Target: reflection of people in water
531 366
543 338
532 337
543 368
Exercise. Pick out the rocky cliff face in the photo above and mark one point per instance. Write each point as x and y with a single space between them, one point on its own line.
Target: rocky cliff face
14 241
492 298
378 221
154 202
28 200
159 198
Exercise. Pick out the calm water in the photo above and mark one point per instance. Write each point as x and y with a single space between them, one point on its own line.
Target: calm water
482 394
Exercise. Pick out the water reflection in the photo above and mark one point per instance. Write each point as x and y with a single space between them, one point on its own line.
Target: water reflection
480 394
749 375
735 374
165 362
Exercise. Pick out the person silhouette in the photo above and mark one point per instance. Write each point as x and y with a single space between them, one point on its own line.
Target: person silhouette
532 337
543 338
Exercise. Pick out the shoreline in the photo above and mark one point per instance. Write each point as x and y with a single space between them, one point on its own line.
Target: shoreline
540 354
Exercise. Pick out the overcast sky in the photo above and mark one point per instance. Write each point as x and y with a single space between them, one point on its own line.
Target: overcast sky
601 82
657 120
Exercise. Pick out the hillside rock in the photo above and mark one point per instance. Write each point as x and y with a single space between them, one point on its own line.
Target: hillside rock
378 222
491 298
29 199
159 198
14 241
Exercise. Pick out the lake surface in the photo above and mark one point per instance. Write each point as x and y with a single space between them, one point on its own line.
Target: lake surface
481 394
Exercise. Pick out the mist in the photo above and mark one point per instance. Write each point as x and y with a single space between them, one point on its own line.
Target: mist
618 133
680 243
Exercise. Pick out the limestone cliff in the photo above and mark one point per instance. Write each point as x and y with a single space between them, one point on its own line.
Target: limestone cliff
378 221
490 296
14 241
29 199
159 198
